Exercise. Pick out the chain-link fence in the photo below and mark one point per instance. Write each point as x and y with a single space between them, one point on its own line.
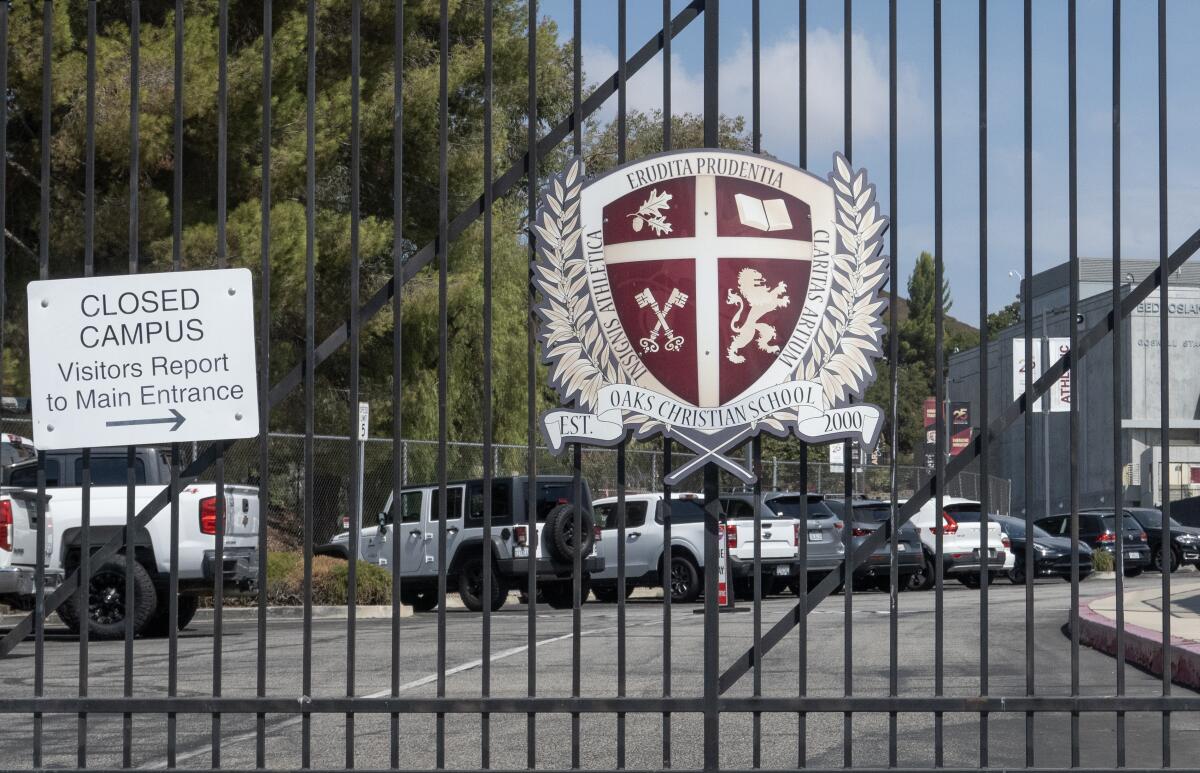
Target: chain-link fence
332 456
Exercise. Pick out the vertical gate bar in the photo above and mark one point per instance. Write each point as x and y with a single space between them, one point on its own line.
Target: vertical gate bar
1164 365
848 446
712 480
802 587
222 262
667 560
667 570
356 461
802 547
666 74
577 76
264 389
397 335
85 521
310 336
488 451
531 381
622 150
1027 316
1073 304
39 631
894 365
984 493
135 24
577 600
621 653
756 452
443 249
176 265
756 446
1117 356
939 384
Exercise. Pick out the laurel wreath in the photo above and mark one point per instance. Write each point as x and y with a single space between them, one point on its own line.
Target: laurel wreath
843 347
580 359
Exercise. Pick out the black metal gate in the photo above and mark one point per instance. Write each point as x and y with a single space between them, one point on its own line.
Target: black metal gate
671 713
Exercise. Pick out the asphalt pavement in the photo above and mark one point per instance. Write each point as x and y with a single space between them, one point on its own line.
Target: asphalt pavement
552 657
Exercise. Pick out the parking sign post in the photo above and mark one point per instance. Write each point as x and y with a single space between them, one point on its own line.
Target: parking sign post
364 429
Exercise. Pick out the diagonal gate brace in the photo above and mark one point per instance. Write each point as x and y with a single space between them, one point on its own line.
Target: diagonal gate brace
880 537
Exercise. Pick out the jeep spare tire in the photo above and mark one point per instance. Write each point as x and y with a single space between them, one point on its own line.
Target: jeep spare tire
559 537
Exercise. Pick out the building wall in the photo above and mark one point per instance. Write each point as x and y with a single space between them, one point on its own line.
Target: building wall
1138 382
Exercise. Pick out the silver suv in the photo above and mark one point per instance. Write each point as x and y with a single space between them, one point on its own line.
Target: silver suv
419 533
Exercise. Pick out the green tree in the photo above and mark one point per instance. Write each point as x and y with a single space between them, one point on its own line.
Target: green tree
1006 317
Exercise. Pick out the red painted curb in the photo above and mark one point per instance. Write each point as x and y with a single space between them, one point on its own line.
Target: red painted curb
1143 646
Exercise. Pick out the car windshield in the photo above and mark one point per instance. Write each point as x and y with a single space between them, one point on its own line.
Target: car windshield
879 513
789 507
1153 520
1130 524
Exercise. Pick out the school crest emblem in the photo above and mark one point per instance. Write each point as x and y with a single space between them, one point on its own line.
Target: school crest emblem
707 296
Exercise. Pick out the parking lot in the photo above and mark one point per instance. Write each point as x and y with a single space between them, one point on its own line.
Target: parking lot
643 631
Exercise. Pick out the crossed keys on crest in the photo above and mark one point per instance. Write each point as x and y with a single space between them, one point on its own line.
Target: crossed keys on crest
674 342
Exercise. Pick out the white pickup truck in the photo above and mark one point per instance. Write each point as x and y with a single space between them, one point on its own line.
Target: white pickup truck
152 542
16 583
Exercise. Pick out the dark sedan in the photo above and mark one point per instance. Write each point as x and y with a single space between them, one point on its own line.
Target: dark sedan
866 516
1097 528
1051 555
1184 540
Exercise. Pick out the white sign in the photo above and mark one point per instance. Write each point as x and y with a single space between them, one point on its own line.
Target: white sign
1060 392
837 457
364 420
147 358
1019 368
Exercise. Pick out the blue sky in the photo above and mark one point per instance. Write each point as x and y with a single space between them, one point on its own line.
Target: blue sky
960 72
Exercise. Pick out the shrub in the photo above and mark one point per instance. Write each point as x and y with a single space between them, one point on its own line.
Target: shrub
1102 561
330 582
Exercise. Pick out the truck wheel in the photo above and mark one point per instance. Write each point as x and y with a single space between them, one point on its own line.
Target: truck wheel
158 624
419 600
559 533
470 585
106 601
561 594
685 580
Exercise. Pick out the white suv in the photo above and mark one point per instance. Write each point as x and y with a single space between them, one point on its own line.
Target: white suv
960 524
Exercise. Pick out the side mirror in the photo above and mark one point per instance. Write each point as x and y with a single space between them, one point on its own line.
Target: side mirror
381 519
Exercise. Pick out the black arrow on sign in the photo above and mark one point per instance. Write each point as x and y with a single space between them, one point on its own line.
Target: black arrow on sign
176 418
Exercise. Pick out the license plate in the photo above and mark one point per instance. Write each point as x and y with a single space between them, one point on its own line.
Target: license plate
783 571
1132 554
521 551
815 535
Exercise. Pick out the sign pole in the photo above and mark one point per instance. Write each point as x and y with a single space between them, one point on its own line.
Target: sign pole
364 424
1044 352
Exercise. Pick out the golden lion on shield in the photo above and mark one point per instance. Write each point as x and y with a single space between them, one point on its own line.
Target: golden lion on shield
753 293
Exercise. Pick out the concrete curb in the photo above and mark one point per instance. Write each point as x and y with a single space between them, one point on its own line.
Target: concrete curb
1143 646
331 612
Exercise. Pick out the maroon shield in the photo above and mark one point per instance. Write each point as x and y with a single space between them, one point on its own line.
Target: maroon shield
708 275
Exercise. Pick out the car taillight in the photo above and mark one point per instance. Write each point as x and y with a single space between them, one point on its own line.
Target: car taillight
731 536
859 532
1143 537
346 522
521 535
796 533
597 531
838 525
1005 542
951 526
208 515
1107 536
6 520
